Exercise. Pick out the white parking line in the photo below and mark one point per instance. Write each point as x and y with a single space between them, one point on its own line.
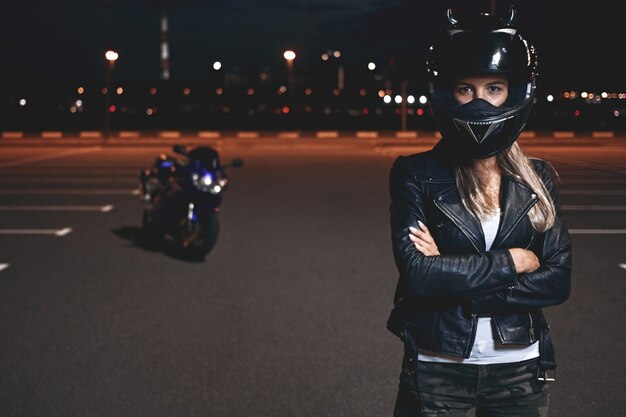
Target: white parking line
593 208
576 162
68 192
592 192
51 155
68 180
57 232
3 266
103 209
566 180
597 231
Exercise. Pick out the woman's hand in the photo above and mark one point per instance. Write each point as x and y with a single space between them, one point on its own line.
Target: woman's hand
525 261
423 240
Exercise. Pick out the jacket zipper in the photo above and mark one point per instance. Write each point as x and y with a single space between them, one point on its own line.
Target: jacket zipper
468 351
532 238
524 213
531 330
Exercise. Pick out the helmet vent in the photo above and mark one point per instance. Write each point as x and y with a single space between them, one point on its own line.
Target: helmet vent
479 130
510 31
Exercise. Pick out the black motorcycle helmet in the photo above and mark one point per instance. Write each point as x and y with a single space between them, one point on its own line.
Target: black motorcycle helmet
481 46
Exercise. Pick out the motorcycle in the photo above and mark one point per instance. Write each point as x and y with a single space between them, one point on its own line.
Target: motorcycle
181 199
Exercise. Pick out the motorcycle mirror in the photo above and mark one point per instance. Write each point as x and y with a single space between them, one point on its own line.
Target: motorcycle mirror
236 163
180 149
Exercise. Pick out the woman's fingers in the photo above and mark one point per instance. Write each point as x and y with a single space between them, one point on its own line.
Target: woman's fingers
425 247
424 229
423 240
422 233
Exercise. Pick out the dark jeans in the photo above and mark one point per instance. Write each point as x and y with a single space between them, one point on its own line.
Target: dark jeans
451 389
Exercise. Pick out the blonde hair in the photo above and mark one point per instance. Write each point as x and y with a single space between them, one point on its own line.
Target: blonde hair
475 194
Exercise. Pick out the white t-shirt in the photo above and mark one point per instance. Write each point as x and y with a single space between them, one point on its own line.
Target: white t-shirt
485 349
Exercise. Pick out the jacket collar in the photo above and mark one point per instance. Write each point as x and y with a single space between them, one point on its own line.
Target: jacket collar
517 200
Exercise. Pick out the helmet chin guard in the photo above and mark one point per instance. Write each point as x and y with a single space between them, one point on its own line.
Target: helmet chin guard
481 46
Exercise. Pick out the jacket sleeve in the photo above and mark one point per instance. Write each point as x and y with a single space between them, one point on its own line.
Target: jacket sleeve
438 277
550 284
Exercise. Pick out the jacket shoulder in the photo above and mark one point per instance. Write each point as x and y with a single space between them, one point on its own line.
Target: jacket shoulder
423 165
546 171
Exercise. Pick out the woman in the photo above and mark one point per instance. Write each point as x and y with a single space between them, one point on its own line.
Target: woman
478 237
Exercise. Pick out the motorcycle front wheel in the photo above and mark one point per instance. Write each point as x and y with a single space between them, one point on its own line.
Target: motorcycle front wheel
196 239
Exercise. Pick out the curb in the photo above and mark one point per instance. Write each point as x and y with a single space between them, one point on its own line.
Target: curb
136 137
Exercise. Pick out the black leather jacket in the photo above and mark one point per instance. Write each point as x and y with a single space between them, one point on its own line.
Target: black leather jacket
438 298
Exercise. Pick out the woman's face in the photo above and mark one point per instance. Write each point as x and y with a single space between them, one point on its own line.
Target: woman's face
492 88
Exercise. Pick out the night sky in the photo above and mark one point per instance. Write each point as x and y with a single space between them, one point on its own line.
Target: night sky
579 47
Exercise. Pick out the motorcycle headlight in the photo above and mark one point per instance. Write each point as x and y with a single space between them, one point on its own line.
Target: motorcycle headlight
206 182
217 188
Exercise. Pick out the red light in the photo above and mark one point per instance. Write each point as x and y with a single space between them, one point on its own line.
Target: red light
112 108
420 112
366 110
285 109
577 113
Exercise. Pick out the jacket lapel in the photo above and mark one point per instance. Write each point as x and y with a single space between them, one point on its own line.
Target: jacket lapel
450 204
517 200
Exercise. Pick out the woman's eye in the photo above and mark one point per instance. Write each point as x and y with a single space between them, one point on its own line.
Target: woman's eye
464 90
494 89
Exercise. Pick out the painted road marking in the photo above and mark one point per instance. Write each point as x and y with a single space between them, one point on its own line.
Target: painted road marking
69 192
57 232
593 208
68 180
593 192
3 266
593 180
103 209
588 165
52 155
597 231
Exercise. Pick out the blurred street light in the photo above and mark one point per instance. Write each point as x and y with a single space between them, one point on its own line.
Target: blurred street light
217 65
111 57
371 66
340 72
289 57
